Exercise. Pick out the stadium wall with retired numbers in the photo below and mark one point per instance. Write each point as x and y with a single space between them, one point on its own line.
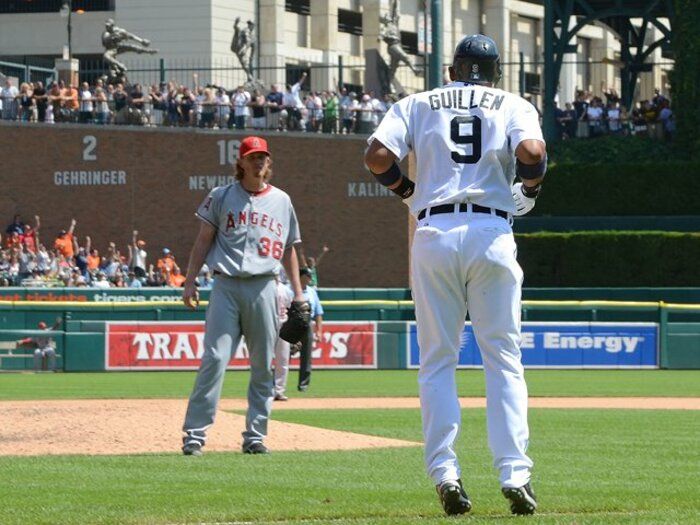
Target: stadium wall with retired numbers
113 180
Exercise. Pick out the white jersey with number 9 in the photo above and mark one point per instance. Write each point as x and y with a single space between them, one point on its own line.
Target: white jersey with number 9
464 136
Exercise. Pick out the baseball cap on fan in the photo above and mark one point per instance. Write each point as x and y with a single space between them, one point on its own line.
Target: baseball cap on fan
251 145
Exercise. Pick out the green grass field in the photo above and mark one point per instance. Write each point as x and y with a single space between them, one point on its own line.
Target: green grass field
592 466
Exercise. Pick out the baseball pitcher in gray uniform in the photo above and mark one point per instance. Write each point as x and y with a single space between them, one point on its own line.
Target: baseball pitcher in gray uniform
247 229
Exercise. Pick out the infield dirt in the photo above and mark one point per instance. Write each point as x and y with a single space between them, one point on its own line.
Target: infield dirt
117 426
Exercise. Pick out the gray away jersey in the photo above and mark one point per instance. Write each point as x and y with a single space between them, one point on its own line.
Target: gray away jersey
253 229
464 137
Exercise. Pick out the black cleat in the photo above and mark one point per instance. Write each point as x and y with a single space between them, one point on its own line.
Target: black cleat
192 448
453 498
256 447
522 500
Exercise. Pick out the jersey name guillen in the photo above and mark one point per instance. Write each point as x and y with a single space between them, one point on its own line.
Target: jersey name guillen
253 230
464 137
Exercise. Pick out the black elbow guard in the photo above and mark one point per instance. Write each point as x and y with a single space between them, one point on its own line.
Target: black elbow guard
391 176
531 171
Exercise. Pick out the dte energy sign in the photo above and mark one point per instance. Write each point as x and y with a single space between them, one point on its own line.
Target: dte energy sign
567 345
180 346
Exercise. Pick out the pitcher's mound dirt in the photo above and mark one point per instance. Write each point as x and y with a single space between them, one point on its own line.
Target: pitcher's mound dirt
118 426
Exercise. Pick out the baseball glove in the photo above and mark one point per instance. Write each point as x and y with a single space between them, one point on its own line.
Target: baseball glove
295 348
297 323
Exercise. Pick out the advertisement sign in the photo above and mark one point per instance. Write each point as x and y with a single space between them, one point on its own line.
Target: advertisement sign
98 295
567 345
179 345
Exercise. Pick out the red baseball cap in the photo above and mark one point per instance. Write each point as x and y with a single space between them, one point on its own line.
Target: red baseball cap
253 145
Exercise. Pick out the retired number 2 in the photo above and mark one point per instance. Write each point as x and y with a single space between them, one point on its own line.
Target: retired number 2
466 131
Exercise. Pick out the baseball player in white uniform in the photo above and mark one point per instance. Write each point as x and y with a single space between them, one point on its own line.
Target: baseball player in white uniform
247 229
282 347
470 140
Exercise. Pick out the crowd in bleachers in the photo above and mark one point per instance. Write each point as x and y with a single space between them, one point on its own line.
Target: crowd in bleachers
294 108
594 116
27 260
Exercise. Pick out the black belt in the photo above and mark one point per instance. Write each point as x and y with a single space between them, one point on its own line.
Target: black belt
463 207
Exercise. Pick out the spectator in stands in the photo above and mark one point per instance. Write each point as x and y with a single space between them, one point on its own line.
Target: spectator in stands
564 120
611 95
311 263
44 346
158 106
365 115
43 259
41 100
314 112
94 259
133 281
614 117
580 104
137 102
293 104
30 237
64 241
209 108
378 108
26 262
223 108
274 104
166 264
204 279
240 100
16 226
101 106
138 255
111 262
658 98
595 116
257 108
71 104
187 101
25 99
348 107
666 118
172 105
155 277
8 94
121 105
175 278
101 281
56 101
330 112
86 104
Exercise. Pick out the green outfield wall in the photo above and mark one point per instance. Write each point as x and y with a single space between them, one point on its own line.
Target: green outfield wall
81 340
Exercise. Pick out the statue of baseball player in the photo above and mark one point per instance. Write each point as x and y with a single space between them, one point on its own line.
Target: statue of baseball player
247 229
243 45
470 140
115 41
390 34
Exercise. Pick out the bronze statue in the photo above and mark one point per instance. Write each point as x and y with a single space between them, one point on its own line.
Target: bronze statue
243 45
389 32
115 41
